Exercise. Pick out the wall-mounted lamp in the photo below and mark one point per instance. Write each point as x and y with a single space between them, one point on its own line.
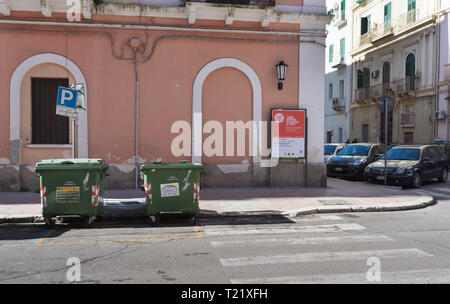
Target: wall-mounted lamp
281 73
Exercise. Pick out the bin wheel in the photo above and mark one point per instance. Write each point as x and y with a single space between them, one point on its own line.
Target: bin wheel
50 223
99 218
89 220
154 220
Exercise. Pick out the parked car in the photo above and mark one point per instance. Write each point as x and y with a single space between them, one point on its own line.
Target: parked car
443 147
331 150
409 165
392 146
352 159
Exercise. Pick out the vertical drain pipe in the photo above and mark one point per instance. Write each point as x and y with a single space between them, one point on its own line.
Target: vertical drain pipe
136 157
135 44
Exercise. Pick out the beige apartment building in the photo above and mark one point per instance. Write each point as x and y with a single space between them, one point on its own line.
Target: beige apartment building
395 51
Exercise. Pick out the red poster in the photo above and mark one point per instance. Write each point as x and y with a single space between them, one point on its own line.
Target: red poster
288 136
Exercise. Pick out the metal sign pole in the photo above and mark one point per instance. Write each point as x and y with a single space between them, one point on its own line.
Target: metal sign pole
385 139
74 135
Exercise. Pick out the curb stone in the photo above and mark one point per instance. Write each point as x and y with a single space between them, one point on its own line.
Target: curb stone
417 204
360 208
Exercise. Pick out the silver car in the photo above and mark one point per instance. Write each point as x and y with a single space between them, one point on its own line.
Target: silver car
331 150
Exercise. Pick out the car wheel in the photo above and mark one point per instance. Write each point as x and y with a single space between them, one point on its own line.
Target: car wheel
417 182
444 175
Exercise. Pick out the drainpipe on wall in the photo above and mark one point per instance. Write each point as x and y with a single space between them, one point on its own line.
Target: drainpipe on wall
436 75
135 44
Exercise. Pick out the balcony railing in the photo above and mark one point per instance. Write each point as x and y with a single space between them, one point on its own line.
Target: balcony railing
408 119
408 18
364 39
239 2
338 104
381 30
402 86
407 84
362 94
380 90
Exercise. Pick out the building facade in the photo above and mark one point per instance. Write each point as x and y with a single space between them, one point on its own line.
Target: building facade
338 72
443 83
395 52
155 74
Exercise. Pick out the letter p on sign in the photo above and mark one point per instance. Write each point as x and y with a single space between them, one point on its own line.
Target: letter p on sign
67 97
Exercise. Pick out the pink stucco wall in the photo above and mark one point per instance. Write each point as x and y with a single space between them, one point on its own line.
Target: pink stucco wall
166 83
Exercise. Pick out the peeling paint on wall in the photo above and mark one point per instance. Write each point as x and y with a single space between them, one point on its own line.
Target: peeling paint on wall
124 168
234 168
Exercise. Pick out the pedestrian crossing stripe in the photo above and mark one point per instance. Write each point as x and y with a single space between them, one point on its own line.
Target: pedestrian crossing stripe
305 241
421 276
323 257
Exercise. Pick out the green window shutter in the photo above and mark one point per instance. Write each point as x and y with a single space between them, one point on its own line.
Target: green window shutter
411 5
343 9
342 48
364 25
330 53
387 11
410 65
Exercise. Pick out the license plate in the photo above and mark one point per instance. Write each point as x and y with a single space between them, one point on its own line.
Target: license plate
380 177
338 169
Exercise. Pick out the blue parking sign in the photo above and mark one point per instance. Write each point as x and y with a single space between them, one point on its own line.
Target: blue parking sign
67 97
67 101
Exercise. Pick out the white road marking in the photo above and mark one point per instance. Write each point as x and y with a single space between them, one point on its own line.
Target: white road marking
305 241
324 256
318 218
284 230
423 276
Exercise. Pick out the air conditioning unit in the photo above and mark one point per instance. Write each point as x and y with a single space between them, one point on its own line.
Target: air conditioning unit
438 115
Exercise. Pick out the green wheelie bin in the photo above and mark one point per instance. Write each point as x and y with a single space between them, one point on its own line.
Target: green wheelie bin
171 189
71 188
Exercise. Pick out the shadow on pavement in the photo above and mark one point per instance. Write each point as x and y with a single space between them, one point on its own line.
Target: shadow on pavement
38 231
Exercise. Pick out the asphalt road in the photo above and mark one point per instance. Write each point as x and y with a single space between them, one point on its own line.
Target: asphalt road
384 247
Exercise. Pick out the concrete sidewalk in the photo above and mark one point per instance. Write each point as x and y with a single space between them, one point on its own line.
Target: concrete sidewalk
340 196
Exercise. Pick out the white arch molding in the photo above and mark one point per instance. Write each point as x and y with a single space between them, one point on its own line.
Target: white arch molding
197 124
14 101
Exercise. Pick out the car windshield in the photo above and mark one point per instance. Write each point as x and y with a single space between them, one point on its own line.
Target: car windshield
403 154
329 149
355 150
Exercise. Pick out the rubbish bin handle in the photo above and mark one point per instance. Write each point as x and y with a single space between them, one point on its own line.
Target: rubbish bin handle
68 162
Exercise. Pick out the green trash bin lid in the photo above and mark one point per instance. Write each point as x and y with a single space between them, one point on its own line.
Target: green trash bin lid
71 164
182 164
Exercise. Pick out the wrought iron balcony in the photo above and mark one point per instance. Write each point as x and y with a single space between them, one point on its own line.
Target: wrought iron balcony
406 85
381 30
380 90
338 104
408 18
364 39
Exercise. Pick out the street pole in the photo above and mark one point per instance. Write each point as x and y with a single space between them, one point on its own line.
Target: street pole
385 139
74 135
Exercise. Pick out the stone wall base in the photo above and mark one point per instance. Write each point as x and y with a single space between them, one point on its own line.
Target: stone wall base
285 174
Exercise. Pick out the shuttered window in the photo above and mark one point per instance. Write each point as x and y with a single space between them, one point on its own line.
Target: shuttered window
47 127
